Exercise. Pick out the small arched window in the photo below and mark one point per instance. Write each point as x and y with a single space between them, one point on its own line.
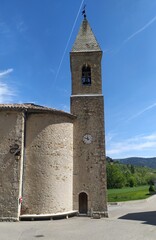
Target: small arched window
86 75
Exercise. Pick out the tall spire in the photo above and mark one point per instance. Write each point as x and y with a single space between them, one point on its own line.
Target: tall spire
85 40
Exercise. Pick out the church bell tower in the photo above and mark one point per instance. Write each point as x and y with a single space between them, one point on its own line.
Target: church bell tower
89 174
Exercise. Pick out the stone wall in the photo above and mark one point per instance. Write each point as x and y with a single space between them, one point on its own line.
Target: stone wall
11 139
89 159
77 60
48 164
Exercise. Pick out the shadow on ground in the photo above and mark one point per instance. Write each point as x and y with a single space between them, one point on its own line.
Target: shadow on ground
145 217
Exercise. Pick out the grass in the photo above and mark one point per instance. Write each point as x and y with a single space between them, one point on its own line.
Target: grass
128 194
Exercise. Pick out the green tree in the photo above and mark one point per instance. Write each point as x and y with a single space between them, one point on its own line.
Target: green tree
121 175
115 177
132 181
132 168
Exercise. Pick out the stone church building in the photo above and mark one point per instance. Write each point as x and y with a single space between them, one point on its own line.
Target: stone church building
52 163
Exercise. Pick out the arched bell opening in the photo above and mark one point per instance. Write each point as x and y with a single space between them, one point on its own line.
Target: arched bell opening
86 75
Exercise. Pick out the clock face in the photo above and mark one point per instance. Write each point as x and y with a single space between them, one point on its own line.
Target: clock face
87 138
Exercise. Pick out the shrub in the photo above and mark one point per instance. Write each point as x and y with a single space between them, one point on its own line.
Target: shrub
151 189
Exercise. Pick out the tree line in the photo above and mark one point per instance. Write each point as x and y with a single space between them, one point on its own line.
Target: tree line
120 175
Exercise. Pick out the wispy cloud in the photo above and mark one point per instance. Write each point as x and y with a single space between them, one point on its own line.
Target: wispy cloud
21 27
5 72
114 51
142 111
133 146
7 93
110 136
140 30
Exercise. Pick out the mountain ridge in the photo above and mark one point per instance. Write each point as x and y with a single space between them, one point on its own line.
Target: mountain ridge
139 161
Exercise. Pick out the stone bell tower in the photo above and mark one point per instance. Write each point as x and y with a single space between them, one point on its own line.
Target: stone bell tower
89 176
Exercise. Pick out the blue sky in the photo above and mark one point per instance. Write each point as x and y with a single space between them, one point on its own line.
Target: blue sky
36 37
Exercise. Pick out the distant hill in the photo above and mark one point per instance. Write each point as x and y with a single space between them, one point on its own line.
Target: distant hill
139 161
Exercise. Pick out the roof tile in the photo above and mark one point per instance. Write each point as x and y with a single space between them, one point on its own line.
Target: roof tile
31 107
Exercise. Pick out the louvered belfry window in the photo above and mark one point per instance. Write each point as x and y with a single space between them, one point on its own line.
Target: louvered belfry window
86 75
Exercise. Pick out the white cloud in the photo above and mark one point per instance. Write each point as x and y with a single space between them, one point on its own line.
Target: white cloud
142 145
150 137
133 146
141 29
5 72
109 137
7 93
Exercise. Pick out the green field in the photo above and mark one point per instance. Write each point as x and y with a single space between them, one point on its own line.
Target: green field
128 194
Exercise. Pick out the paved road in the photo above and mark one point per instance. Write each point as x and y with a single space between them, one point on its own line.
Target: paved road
127 221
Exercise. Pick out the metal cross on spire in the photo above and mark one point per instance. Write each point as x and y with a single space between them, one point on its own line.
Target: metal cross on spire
84 11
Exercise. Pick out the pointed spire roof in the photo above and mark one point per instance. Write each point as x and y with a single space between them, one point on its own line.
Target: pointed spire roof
85 40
